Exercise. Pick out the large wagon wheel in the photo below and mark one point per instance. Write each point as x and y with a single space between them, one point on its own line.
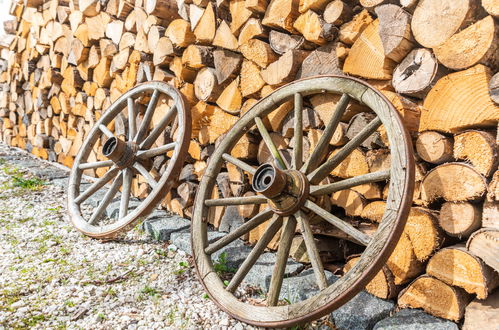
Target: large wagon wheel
131 153
292 194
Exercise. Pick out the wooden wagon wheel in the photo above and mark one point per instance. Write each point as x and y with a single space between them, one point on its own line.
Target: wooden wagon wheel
152 129
291 192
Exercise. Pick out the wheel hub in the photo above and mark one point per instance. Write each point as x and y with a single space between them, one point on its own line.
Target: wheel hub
120 152
286 190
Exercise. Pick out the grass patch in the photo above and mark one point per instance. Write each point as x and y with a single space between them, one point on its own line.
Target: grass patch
31 184
221 266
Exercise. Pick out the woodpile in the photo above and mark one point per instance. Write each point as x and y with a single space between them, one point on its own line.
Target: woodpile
64 62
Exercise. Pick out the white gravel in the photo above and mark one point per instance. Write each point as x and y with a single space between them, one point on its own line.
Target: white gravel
51 276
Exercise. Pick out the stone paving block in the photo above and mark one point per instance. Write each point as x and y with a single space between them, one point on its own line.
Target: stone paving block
362 312
261 272
235 252
162 225
414 319
302 286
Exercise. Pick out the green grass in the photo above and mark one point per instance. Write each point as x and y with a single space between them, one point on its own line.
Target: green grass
149 291
221 266
31 184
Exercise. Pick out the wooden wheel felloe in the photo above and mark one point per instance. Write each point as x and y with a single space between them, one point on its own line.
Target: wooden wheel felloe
152 128
292 188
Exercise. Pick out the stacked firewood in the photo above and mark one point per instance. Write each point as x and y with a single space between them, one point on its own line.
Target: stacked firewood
65 62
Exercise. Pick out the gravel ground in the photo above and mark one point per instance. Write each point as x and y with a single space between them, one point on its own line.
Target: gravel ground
54 277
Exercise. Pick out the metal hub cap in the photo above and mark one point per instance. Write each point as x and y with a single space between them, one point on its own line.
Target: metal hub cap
120 152
286 190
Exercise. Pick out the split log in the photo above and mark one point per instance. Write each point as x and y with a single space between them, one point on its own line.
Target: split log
314 28
403 262
250 210
284 69
479 148
421 228
395 31
357 123
227 64
434 147
460 219
350 31
329 249
264 154
230 99
354 165
205 29
417 73
281 42
448 103
206 86
435 297
322 61
164 9
459 267
382 285
224 37
259 52
256 6
251 80
494 88
179 32
163 51
434 22
337 13
251 29
453 182
281 14
197 57
239 15
458 53
480 314
366 58
484 243
350 200
325 103
490 214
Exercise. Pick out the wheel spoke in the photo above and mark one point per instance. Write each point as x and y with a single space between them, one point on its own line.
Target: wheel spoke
87 166
106 131
323 171
269 143
97 185
312 251
288 231
106 200
322 146
298 133
255 253
144 125
258 199
132 119
239 231
239 163
144 154
338 223
150 180
125 192
158 129
349 183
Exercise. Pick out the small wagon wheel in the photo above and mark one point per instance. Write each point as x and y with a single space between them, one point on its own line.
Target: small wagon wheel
292 190
152 128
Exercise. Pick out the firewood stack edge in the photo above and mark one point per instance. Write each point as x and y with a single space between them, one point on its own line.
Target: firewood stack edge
64 62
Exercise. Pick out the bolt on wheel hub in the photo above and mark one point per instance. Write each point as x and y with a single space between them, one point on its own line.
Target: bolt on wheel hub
286 190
